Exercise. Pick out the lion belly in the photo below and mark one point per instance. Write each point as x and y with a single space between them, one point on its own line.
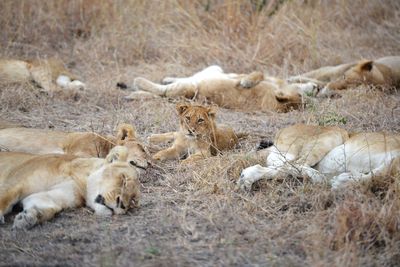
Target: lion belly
361 154
225 93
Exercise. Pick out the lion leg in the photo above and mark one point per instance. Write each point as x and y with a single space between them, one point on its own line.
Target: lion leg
161 138
142 84
304 79
186 89
173 152
40 207
252 79
304 170
141 95
196 157
255 173
343 178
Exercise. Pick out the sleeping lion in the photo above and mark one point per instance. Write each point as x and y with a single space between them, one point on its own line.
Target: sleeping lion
250 92
47 184
48 74
198 136
82 144
322 153
383 72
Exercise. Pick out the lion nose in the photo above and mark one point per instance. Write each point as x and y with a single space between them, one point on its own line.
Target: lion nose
99 199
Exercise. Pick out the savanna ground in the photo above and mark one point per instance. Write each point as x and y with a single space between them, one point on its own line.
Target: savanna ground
192 215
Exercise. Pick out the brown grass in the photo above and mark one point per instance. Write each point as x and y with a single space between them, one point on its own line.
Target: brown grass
194 215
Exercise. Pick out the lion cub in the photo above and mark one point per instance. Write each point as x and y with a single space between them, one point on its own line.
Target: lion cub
198 136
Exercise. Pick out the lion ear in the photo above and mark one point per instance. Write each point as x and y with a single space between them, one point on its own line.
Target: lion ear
126 131
367 65
181 107
212 112
118 153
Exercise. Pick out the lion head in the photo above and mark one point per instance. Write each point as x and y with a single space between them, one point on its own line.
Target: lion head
137 154
116 184
196 122
364 72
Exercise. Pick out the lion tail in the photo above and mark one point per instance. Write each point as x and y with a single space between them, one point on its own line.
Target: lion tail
122 85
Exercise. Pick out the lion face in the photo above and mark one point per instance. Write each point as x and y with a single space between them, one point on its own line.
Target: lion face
137 154
196 122
117 187
363 73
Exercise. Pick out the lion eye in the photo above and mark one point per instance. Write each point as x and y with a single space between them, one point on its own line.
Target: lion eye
188 118
200 120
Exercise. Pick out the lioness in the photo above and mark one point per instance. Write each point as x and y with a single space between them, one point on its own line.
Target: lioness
327 152
198 136
82 144
250 92
47 74
47 184
383 72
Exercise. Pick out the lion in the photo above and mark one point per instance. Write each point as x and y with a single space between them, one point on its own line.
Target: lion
382 73
47 184
82 144
249 92
198 136
47 74
327 153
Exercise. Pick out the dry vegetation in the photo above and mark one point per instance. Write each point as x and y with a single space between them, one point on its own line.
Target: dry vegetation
193 215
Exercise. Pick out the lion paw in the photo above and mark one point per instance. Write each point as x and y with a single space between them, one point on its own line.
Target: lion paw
246 83
309 88
25 220
77 85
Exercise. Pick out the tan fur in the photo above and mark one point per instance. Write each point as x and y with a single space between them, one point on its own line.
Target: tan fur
83 144
243 92
46 184
42 72
309 143
198 136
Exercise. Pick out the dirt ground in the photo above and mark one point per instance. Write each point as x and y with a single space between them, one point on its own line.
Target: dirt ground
193 215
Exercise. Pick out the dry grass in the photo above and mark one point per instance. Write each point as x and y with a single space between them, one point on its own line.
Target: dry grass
194 216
